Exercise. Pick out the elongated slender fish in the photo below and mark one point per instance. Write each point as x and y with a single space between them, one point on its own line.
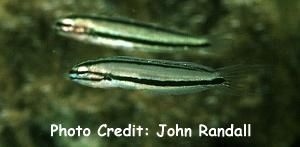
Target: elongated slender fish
125 34
161 76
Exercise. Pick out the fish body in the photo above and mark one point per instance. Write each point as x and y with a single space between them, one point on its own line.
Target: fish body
160 76
126 34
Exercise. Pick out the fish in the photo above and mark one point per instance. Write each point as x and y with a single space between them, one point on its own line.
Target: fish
127 34
153 75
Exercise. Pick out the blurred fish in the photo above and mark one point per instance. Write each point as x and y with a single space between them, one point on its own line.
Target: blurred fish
160 76
127 34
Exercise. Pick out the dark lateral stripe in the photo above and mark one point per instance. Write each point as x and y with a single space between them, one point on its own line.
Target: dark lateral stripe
88 63
60 24
129 23
87 79
151 82
147 42
169 83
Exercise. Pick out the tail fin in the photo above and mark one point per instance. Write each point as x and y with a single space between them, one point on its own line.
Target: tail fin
219 44
239 79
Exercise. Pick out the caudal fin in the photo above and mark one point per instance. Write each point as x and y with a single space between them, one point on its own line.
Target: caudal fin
218 45
239 79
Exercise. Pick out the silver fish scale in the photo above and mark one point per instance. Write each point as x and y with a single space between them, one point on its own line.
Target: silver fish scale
186 65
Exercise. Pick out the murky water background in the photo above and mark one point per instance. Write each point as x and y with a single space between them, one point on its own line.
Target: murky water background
35 90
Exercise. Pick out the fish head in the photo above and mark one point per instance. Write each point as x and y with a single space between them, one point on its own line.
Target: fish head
76 28
83 75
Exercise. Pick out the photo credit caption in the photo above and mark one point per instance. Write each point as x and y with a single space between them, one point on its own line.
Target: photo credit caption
163 130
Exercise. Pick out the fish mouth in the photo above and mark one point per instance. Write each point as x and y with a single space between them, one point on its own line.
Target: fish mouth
84 76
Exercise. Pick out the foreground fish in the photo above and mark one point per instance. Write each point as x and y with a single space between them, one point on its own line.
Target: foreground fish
160 76
124 34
